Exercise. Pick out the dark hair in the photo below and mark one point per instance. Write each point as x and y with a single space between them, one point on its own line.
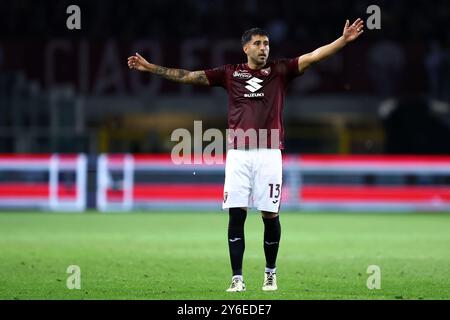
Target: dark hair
248 34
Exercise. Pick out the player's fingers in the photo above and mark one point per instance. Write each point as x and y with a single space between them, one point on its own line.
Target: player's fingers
139 56
347 22
132 61
357 22
360 26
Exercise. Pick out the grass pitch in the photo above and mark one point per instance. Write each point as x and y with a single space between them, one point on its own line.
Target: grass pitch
156 255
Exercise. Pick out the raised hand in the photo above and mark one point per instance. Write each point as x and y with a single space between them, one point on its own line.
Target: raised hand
351 32
138 62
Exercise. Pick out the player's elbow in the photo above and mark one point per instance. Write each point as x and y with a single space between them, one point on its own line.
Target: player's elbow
306 61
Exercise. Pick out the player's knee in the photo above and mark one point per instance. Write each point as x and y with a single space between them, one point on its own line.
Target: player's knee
237 216
237 210
269 215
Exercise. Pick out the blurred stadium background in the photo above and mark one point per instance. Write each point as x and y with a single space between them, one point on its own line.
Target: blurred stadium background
367 130
70 92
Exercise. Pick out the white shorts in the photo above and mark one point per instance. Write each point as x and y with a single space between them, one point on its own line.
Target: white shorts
253 179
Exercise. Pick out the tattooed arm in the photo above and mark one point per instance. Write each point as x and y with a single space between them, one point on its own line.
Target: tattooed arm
178 75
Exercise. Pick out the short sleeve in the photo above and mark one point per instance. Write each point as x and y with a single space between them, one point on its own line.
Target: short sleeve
217 76
293 69
289 67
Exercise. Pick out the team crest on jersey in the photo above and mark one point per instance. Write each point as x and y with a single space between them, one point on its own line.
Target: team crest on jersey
266 71
242 74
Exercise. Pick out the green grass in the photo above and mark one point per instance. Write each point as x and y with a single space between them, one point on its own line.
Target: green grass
158 255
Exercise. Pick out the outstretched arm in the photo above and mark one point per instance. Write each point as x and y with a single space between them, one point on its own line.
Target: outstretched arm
178 75
350 33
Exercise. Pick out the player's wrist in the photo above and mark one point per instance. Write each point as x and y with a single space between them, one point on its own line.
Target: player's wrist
149 67
343 40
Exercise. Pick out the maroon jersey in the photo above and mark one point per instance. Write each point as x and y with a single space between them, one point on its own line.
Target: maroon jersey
256 97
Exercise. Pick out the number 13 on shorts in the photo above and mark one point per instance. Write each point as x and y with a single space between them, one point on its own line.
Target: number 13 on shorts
275 192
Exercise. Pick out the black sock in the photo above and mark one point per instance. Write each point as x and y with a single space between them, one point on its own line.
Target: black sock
236 240
272 235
